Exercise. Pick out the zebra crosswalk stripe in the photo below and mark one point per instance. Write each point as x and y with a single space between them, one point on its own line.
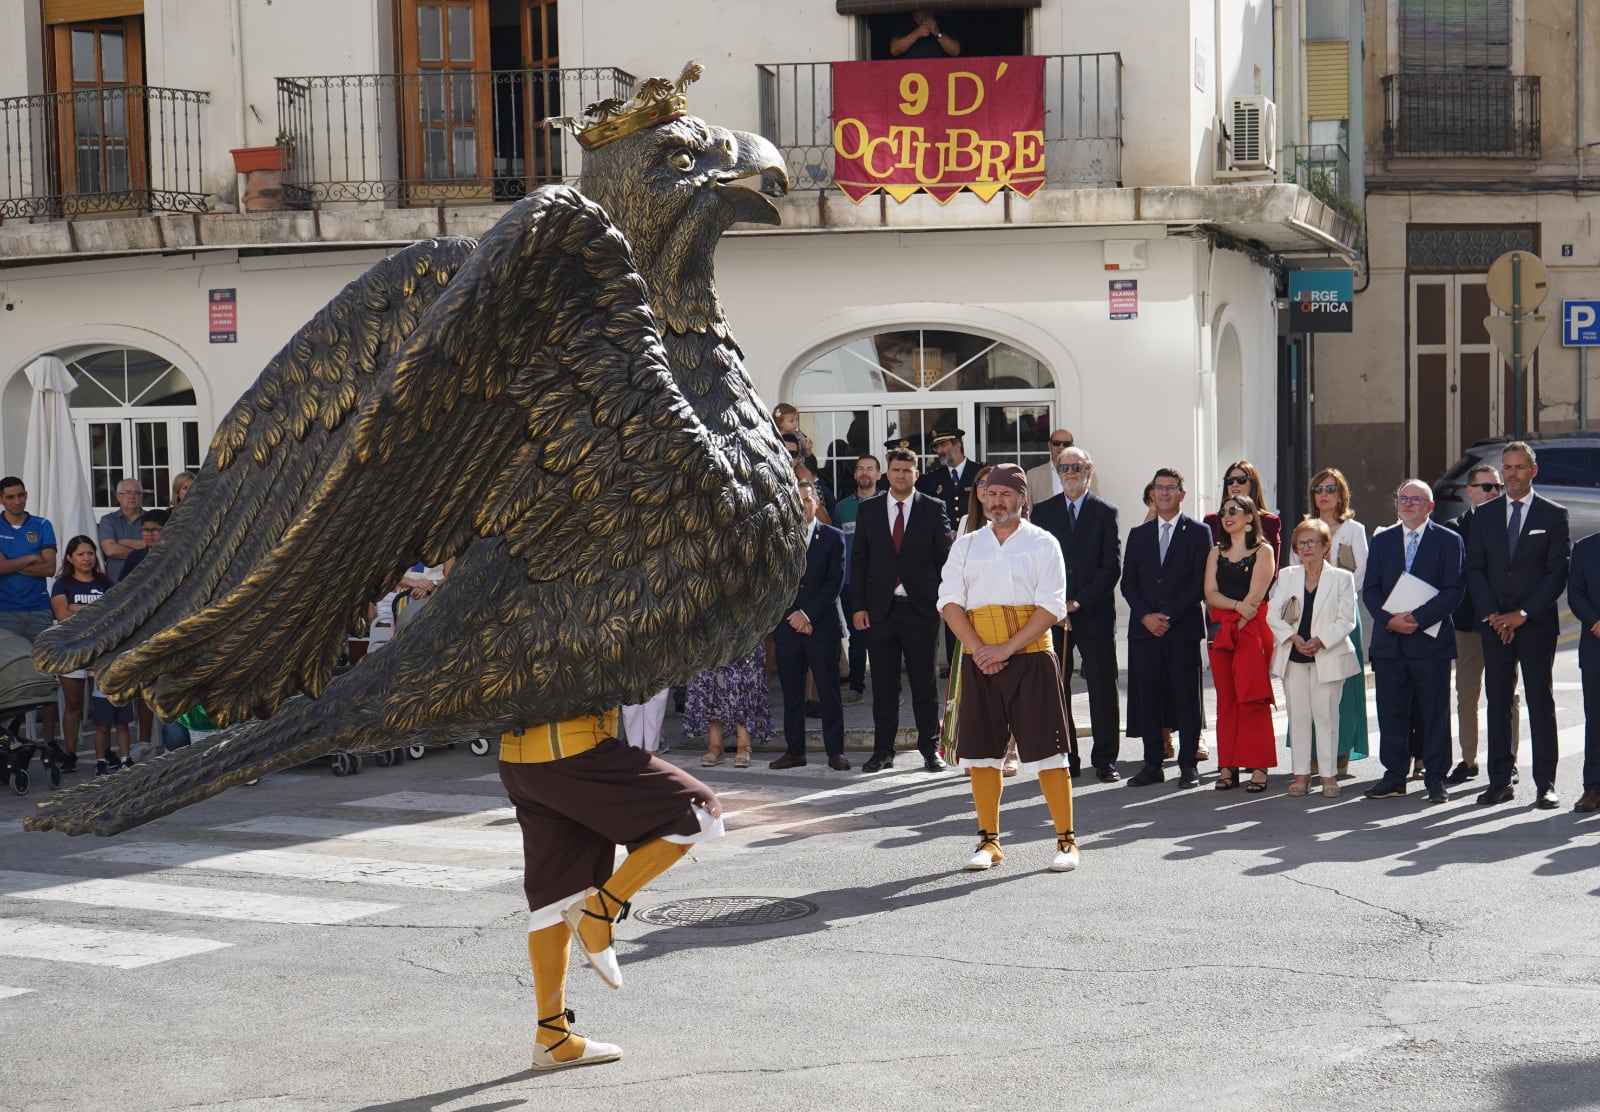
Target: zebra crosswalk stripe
7 991
300 865
122 949
482 806
422 834
210 903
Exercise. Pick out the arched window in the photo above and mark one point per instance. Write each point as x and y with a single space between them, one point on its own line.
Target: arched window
904 384
134 415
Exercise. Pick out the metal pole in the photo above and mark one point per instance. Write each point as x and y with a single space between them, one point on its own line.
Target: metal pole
1516 343
1583 388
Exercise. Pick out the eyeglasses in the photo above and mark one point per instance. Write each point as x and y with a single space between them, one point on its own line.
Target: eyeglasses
1487 488
1234 511
1308 542
1061 444
1072 468
1237 480
1412 500
1165 489
1325 488
982 484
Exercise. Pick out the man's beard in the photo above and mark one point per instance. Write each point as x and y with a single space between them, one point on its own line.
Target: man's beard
1004 517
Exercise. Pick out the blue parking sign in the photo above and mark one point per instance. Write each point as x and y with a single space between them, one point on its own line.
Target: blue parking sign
1580 324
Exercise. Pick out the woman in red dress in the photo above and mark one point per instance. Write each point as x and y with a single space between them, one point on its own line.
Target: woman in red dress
1238 576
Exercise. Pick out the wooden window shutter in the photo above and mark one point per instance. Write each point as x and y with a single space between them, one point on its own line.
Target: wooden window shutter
81 11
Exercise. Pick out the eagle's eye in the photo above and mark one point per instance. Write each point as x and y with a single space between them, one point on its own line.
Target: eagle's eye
681 160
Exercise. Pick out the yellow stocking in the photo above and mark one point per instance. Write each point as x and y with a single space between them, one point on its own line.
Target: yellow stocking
986 785
548 949
1056 786
639 868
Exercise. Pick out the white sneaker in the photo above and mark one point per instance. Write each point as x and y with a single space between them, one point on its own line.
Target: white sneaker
1066 859
979 860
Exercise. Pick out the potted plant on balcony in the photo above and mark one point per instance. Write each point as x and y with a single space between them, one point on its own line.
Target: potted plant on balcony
263 168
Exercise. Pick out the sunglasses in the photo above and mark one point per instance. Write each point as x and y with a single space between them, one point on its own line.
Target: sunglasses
1237 480
1073 468
1487 488
1411 500
1061 444
1234 511
1325 488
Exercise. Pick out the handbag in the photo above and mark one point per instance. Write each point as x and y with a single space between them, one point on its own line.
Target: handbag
1291 610
1346 559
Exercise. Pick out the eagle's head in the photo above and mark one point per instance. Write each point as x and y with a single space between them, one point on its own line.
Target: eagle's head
673 190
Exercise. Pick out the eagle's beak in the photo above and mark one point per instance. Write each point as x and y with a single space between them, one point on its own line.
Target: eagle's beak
752 156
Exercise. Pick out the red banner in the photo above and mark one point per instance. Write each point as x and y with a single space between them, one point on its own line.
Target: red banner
939 125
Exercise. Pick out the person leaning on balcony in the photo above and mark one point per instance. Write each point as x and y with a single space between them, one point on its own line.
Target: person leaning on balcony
920 36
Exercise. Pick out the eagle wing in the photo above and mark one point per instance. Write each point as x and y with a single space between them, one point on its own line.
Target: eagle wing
532 403
273 448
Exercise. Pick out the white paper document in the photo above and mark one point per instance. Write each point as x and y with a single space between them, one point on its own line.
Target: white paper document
1408 594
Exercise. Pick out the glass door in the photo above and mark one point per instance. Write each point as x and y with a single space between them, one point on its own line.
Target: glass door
447 100
98 74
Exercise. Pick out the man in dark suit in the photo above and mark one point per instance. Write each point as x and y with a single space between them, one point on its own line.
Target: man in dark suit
1583 595
1516 570
809 638
902 539
1085 526
1408 661
951 481
1483 484
1163 579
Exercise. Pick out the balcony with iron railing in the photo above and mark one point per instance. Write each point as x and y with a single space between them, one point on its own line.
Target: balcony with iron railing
1470 115
434 137
116 150
1083 119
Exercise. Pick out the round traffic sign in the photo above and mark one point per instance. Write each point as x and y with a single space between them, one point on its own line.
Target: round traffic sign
1535 281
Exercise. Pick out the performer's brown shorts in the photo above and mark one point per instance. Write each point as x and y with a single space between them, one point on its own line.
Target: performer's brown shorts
1022 700
575 811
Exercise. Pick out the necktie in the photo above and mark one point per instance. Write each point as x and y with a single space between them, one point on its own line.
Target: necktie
899 525
1411 548
1514 530
1072 516
1166 539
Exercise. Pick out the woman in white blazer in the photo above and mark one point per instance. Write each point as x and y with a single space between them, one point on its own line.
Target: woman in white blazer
1311 611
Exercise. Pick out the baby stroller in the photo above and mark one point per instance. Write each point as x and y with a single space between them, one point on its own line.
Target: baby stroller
23 689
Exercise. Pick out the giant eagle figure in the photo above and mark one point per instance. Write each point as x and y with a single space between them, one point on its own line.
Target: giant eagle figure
560 407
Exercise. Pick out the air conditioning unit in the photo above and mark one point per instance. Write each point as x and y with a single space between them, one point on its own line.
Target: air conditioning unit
1253 131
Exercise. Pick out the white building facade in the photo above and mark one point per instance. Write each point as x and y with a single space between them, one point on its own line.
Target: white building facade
120 221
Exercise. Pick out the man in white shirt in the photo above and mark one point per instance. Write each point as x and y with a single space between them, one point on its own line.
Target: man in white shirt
1003 587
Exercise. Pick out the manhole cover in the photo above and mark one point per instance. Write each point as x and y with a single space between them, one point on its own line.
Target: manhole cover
726 911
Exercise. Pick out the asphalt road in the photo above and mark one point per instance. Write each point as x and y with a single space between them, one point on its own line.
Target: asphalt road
357 943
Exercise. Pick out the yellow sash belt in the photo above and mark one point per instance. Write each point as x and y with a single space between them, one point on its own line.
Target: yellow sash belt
551 741
999 624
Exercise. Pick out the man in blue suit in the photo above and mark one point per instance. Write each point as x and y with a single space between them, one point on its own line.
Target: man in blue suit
1163 579
1517 555
1583 595
1411 659
809 638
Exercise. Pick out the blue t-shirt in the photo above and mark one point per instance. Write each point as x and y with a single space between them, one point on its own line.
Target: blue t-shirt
78 593
34 535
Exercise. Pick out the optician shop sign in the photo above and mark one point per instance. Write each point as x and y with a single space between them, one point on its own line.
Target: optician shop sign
1321 301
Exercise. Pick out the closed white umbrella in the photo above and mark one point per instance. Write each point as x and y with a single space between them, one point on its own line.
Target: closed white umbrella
52 467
